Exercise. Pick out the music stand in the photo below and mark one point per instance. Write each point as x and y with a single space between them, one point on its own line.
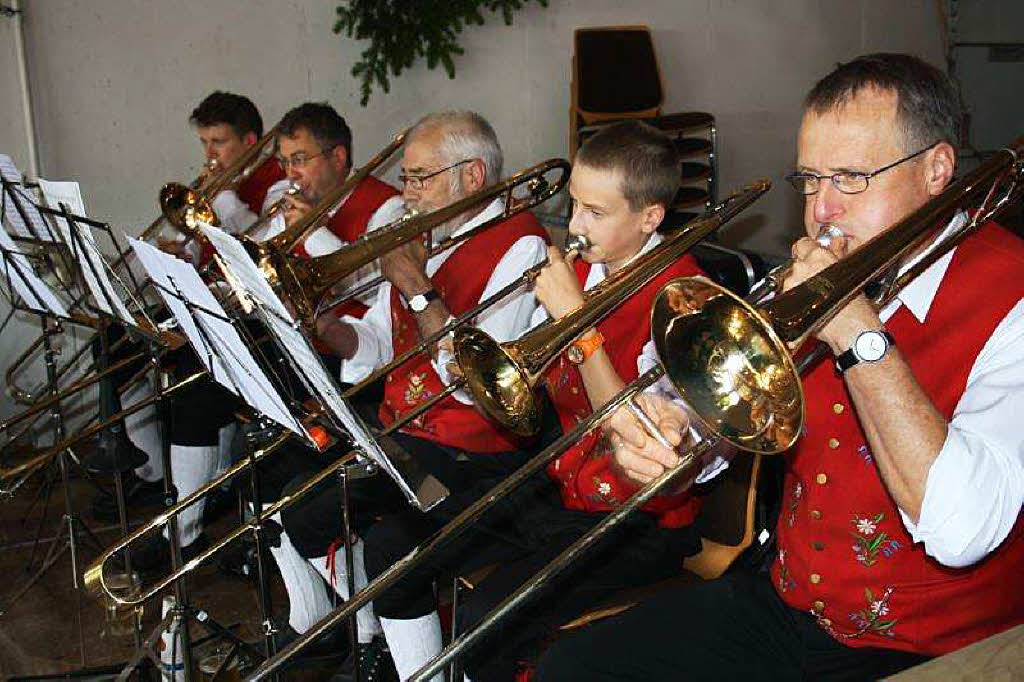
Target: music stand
219 346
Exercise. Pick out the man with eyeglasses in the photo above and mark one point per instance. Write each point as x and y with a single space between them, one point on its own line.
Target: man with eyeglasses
899 526
446 157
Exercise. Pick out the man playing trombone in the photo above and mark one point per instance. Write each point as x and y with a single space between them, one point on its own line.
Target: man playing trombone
315 146
899 526
447 156
226 125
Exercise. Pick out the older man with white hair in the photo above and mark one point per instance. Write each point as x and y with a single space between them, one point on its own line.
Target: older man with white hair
447 157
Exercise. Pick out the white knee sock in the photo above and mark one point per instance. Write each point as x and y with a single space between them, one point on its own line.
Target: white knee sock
366 622
191 467
413 642
224 437
308 599
143 430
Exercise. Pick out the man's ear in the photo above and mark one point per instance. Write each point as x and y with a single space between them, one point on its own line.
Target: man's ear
651 217
940 164
476 175
249 139
339 158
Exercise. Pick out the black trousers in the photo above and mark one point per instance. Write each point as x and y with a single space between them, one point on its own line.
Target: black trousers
733 628
523 534
315 522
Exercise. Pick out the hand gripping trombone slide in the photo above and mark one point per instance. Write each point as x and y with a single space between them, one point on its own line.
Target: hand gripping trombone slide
689 236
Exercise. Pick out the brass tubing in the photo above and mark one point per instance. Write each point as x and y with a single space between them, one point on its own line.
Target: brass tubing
453 529
81 385
39 460
94 577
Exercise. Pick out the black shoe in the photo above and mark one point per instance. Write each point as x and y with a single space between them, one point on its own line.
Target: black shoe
137 493
218 503
114 452
152 559
332 643
375 664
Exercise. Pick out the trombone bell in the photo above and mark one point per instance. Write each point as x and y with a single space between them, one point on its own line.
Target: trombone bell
183 207
497 380
728 364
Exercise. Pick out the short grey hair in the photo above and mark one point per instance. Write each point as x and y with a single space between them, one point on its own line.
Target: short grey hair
928 108
466 135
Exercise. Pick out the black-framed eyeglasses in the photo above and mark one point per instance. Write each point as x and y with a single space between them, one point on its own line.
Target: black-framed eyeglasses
300 159
417 181
847 182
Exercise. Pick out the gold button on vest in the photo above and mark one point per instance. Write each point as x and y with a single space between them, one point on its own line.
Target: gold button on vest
815 578
815 514
838 408
833 443
821 479
819 606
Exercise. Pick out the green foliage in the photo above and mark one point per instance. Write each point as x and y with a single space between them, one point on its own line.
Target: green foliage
400 31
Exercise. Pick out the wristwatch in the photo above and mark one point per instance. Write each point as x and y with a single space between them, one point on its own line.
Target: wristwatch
419 302
869 346
583 347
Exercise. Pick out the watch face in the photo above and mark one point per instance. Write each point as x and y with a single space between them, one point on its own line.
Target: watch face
871 346
575 355
418 303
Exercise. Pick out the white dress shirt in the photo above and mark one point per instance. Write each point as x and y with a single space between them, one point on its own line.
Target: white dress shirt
975 487
504 321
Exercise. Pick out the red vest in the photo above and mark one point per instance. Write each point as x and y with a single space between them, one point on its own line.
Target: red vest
844 554
584 473
459 282
349 223
253 190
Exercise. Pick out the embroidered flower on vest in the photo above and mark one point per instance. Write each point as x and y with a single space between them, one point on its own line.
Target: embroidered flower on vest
871 618
416 390
865 452
785 581
869 541
601 492
794 501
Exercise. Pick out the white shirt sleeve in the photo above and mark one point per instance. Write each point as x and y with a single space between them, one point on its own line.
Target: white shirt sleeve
975 487
510 318
233 213
373 332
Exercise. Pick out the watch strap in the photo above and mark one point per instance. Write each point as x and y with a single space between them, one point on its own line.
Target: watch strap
849 358
585 346
428 296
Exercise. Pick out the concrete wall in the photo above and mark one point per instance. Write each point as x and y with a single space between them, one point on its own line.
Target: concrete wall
114 81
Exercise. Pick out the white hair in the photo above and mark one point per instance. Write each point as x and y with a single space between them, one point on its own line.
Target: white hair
465 135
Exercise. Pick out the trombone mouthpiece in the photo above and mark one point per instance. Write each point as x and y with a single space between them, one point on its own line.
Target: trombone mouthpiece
826 233
577 243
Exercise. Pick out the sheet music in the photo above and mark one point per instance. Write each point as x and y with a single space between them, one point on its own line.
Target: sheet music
12 216
33 291
91 262
229 360
242 271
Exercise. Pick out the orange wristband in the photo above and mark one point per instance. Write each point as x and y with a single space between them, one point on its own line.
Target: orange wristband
583 347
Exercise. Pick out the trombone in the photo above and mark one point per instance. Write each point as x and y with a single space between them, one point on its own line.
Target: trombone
305 282
95 576
184 206
626 281
714 343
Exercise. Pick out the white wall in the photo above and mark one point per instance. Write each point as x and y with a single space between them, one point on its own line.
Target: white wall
114 81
